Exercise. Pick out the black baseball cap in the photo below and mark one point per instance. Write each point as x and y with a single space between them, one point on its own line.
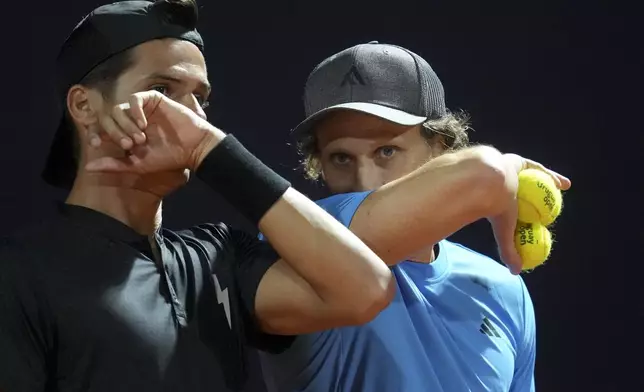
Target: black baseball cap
105 32
384 80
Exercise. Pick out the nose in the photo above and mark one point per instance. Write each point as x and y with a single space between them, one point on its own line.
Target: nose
368 176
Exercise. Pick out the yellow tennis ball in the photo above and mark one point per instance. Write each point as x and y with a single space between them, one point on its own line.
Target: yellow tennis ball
533 242
539 199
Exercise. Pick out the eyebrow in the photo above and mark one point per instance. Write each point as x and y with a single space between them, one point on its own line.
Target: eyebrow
159 76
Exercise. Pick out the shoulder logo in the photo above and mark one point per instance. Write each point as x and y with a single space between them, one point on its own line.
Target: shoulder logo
487 328
222 299
352 78
480 282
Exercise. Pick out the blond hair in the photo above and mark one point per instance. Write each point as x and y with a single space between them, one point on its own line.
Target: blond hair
451 128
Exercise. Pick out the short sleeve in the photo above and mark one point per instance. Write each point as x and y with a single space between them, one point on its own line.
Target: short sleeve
255 257
22 338
523 380
343 206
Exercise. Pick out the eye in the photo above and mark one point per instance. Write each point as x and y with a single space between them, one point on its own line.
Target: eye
386 152
340 158
163 89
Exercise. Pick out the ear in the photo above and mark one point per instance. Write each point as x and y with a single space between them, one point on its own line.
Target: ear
84 105
437 145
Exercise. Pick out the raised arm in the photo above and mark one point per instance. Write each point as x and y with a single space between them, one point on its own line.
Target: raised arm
441 197
433 202
327 277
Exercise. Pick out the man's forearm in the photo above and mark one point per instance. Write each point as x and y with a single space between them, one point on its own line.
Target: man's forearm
335 263
431 203
344 273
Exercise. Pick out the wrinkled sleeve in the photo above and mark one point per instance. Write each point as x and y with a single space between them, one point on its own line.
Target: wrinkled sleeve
255 257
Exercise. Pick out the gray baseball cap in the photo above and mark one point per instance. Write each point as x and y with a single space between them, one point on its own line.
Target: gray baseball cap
384 80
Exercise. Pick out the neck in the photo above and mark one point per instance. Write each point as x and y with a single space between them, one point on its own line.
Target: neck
137 209
426 255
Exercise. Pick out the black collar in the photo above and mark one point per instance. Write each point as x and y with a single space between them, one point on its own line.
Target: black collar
104 225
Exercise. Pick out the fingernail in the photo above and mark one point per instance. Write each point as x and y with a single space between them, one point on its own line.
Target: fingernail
126 143
95 142
139 137
141 124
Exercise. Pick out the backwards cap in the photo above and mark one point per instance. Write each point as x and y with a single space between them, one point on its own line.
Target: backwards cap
109 30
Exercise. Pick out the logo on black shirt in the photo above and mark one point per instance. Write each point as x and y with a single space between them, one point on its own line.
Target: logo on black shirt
222 298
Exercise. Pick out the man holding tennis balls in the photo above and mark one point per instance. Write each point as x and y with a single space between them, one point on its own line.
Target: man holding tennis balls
403 179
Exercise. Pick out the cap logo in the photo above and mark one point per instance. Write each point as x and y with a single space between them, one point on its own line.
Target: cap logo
352 78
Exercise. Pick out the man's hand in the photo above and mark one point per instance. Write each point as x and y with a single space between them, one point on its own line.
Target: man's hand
504 224
158 133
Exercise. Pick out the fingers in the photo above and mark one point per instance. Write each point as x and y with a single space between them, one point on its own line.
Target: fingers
564 182
130 163
136 103
122 116
116 133
94 135
125 123
561 181
504 226
510 257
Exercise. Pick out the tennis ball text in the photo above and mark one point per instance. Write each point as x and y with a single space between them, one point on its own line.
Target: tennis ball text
549 198
526 235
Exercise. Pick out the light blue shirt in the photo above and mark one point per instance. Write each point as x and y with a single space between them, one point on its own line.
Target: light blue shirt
460 323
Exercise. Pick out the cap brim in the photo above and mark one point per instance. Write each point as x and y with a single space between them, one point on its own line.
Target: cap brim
60 167
394 115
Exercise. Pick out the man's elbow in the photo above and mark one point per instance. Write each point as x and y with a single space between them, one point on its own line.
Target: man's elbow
373 300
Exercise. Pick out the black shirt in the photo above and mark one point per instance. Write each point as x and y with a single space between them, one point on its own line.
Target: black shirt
87 304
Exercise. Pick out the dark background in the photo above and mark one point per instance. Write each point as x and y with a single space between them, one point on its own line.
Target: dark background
558 82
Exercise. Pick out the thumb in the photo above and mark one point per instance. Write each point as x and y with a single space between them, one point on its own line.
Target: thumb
110 165
510 256
504 227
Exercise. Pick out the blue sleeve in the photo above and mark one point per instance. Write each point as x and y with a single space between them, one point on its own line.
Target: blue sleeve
342 206
523 380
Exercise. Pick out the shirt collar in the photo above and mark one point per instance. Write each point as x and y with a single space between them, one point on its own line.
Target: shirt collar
103 224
